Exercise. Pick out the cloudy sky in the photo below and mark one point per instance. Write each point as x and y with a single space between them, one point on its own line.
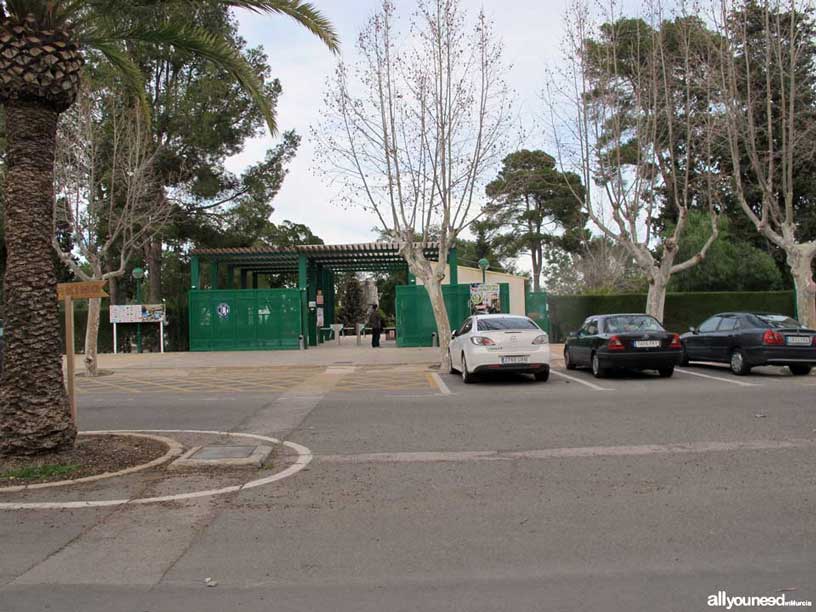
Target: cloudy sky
530 29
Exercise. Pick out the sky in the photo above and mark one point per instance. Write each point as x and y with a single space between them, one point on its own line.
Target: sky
531 30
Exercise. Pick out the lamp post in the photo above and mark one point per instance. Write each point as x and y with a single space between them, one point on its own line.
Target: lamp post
138 274
484 264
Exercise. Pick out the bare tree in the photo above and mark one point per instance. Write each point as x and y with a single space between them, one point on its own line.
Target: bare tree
632 113
767 54
103 188
413 127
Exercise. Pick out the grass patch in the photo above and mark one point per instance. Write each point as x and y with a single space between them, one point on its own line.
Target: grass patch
39 472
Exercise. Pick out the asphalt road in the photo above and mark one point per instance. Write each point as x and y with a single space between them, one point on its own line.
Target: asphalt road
630 493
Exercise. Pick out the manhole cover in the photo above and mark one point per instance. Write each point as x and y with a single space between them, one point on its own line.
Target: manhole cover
223 456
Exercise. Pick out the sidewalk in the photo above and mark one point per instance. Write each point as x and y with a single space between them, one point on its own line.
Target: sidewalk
328 354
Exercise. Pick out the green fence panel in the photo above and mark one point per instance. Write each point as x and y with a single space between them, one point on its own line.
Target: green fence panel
252 319
568 312
537 308
415 321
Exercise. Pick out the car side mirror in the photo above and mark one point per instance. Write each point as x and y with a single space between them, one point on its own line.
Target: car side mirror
694 330
453 335
573 335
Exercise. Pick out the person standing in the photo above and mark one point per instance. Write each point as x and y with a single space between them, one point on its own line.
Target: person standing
375 322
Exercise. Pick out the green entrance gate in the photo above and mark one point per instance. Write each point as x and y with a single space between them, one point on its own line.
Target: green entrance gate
415 320
252 319
537 308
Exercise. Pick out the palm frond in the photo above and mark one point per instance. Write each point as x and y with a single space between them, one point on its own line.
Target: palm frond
304 13
201 43
131 73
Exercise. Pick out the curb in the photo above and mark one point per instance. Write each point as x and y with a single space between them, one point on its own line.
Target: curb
174 449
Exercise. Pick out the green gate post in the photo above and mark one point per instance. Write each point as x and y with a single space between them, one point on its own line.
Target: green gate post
243 278
303 283
453 263
195 272
214 274
311 292
254 279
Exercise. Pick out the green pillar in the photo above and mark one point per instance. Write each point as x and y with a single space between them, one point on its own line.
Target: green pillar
213 274
453 262
195 272
254 280
244 284
303 283
311 292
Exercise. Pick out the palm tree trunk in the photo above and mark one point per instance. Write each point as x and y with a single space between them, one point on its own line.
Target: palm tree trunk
34 410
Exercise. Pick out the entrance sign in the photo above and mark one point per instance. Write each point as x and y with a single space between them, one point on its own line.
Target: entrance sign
138 313
223 310
68 292
485 298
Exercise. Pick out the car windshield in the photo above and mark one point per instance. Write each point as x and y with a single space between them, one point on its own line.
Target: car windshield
631 323
505 323
778 321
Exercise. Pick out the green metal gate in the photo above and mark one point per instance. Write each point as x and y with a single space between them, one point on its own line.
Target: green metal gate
415 320
537 308
250 319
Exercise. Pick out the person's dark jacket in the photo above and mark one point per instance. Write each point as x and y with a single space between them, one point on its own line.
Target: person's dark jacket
375 321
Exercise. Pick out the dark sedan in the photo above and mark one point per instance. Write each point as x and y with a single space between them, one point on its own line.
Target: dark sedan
745 340
632 341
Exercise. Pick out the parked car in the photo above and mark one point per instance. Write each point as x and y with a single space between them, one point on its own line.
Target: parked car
630 341
745 340
500 342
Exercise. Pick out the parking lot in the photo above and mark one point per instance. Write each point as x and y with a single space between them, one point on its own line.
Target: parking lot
625 493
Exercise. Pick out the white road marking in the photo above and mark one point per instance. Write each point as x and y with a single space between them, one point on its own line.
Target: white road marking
580 381
304 456
443 388
725 380
561 453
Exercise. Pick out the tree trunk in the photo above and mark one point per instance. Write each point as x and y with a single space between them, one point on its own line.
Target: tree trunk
434 288
34 409
92 337
656 299
113 285
154 261
801 266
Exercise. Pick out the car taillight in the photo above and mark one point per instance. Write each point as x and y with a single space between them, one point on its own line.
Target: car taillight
542 339
675 343
482 341
615 344
773 338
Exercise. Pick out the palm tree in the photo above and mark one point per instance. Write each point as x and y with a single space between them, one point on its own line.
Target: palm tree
42 49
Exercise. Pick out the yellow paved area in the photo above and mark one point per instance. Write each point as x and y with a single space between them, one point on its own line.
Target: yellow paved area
260 380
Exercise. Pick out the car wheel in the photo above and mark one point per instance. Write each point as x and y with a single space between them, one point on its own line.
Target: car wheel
568 362
800 370
597 370
543 375
666 372
467 377
738 363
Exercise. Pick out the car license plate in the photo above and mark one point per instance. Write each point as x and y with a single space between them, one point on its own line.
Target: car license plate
647 343
800 340
514 359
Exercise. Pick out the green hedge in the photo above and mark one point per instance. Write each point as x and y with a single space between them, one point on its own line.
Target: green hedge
568 312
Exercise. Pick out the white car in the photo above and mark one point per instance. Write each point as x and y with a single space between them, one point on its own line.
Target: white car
500 342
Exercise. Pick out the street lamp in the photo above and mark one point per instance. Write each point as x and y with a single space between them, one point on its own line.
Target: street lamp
484 264
138 274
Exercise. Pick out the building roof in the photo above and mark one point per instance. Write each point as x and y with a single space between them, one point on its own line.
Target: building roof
362 257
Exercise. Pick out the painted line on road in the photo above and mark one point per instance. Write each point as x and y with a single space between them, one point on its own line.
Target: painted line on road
725 380
567 453
304 457
436 380
579 381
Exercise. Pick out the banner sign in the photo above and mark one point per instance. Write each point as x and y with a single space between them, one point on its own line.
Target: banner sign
485 298
138 313
83 290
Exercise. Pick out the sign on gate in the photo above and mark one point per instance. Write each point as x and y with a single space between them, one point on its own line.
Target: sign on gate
485 298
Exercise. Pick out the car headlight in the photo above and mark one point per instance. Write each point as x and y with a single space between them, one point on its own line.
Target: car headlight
482 341
542 339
